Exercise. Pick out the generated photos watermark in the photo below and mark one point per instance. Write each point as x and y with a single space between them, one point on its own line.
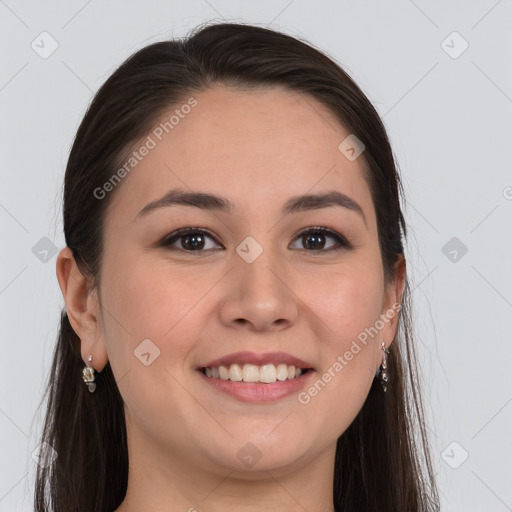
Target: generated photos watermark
151 142
304 397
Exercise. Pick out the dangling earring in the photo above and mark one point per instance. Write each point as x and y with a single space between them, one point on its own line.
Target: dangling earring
383 373
88 376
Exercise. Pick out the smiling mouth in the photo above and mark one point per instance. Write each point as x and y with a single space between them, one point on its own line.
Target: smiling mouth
250 373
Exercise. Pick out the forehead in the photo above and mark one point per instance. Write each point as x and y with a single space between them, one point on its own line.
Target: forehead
258 147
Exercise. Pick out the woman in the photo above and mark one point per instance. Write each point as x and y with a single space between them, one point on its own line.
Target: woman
237 307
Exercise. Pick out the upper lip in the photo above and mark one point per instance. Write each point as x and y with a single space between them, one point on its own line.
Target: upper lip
258 359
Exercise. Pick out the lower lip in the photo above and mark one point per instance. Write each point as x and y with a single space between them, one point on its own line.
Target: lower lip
258 392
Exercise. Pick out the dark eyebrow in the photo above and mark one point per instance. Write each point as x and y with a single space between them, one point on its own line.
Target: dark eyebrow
323 200
295 204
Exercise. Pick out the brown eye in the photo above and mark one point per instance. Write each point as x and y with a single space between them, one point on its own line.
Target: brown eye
314 240
190 239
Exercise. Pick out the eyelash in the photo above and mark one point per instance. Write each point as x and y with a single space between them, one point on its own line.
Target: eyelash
176 235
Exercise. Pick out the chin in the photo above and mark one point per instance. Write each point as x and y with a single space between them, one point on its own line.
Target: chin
256 455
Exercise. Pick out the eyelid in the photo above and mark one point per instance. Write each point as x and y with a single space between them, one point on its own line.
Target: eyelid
342 242
175 235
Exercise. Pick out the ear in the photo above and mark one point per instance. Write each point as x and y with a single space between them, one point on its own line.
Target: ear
83 309
393 300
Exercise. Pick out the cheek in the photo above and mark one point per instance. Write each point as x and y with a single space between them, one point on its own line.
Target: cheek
348 300
152 298
347 304
145 302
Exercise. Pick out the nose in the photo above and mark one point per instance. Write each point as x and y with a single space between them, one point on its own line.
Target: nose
259 295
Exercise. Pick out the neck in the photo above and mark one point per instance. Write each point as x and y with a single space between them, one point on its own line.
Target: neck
160 481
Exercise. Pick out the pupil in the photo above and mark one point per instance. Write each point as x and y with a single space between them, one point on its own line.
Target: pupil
311 240
195 239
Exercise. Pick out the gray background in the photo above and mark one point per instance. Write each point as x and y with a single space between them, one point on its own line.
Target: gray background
448 115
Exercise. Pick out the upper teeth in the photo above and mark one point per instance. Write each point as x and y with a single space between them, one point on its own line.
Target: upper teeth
252 373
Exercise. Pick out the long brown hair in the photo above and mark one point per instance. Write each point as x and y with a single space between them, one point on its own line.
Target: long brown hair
382 460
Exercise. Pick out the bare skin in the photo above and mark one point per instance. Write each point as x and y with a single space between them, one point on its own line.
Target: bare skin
258 149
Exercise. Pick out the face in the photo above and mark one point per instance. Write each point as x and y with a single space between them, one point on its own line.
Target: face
251 279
